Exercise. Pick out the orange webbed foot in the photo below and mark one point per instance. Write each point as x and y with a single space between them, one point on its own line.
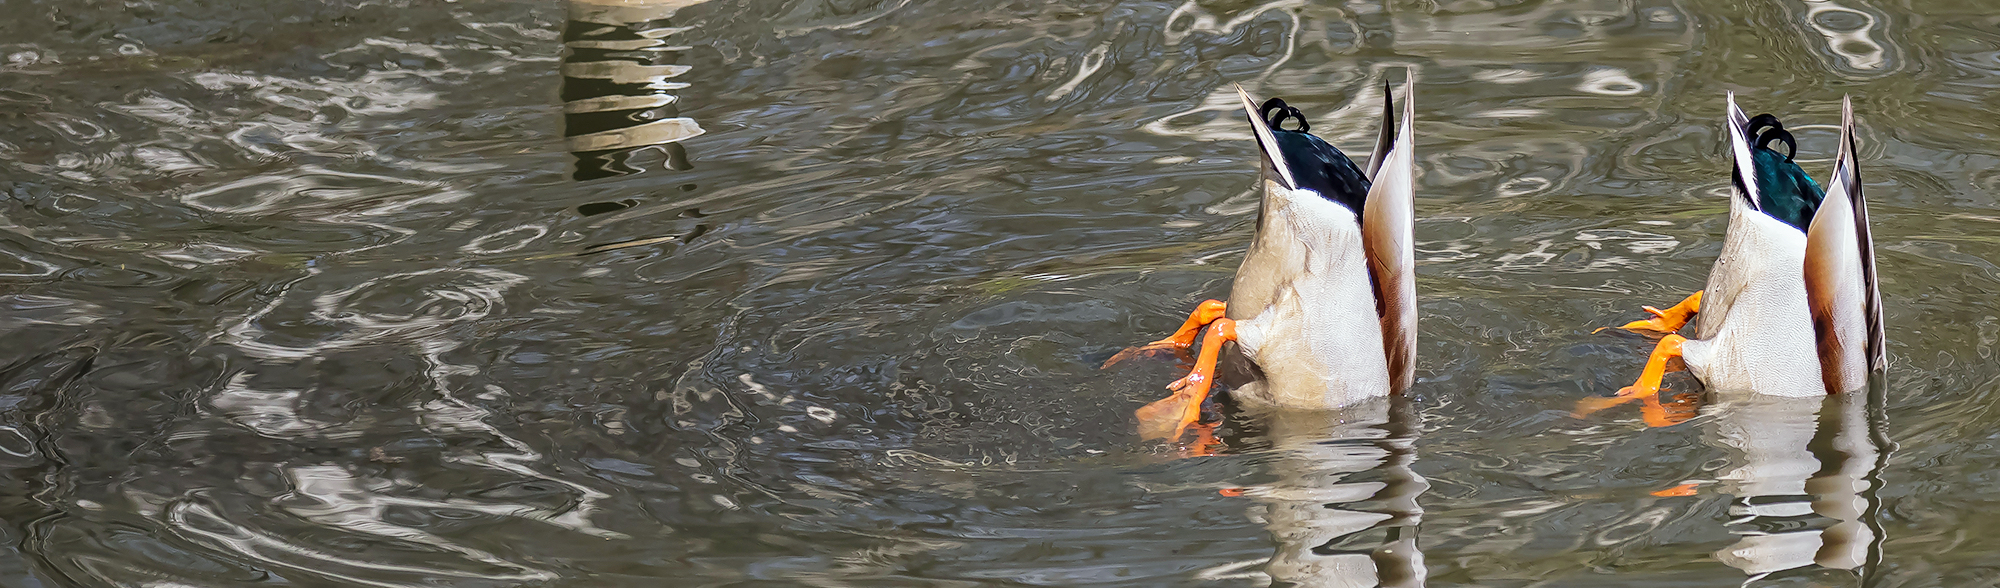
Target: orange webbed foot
1665 321
1181 340
1170 417
1647 390
1163 346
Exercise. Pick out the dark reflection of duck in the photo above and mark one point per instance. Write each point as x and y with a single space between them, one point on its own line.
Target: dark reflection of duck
1324 304
1791 308
1343 507
1803 473
616 90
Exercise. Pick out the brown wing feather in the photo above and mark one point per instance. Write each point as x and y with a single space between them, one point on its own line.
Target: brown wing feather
1840 275
1878 358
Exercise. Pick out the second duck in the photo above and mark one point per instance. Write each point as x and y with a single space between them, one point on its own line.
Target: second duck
1791 307
1323 310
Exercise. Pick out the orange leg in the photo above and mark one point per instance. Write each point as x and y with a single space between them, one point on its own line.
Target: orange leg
1169 417
1669 320
1684 489
1204 443
1646 390
1181 339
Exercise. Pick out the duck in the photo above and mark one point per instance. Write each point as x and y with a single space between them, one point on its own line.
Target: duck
1791 307
1322 313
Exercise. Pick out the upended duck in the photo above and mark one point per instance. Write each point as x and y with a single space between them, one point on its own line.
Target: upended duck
1323 310
1791 307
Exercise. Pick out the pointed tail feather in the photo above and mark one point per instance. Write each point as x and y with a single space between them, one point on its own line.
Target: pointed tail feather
1388 225
1266 142
1387 136
1744 174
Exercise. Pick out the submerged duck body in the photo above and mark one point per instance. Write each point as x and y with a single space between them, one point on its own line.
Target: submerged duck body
1322 324
1323 309
1791 307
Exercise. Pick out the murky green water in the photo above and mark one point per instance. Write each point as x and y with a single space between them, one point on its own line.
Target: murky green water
813 293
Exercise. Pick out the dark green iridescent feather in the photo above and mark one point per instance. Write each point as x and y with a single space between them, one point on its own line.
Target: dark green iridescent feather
1784 190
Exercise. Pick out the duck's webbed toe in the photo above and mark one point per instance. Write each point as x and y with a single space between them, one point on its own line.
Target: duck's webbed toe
1182 339
1665 321
1170 417
1647 389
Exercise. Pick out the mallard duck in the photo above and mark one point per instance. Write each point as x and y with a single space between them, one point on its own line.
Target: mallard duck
1324 305
1791 307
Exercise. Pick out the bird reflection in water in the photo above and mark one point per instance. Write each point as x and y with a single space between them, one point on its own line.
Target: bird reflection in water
618 100
1804 473
1343 505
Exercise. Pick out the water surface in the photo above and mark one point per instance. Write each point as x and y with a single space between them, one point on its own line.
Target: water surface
814 293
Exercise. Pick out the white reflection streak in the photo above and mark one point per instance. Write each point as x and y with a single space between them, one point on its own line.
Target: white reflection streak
1527 259
274 414
194 255
1610 81
48 269
193 518
310 183
846 25
449 414
1225 126
1781 481
269 414
302 122
1306 508
1350 123
483 245
1205 22
478 299
1091 62
1871 55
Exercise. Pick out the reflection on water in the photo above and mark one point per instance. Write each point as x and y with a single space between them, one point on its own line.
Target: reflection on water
1850 34
309 293
1803 480
1344 507
618 84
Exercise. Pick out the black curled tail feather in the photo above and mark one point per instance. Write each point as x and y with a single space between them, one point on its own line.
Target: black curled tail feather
1309 160
1766 128
1282 111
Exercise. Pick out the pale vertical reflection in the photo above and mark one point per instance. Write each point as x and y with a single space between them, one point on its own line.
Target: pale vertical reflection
1857 46
1803 477
1343 509
617 87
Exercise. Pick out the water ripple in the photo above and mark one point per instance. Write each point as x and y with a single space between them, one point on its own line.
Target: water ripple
377 294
